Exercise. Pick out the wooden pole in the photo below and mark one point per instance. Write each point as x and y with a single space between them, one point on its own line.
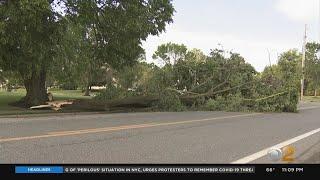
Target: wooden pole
303 62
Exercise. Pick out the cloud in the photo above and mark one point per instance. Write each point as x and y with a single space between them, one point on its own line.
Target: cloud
299 10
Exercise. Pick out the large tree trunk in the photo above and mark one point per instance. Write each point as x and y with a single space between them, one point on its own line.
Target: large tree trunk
87 92
315 93
36 89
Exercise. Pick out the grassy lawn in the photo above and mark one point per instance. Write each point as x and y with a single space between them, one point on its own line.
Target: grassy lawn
9 97
68 94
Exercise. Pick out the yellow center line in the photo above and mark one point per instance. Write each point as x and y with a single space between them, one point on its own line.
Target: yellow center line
118 128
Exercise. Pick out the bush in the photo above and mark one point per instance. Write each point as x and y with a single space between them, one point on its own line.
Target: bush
110 93
286 102
235 103
170 101
229 103
217 104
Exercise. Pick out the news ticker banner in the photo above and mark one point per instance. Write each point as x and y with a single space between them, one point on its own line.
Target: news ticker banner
134 169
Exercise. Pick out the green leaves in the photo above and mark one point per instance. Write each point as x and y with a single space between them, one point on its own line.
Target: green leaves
31 31
118 27
77 38
313 66
115 28
290 69
171 53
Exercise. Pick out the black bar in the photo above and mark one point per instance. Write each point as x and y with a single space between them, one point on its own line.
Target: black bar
113 170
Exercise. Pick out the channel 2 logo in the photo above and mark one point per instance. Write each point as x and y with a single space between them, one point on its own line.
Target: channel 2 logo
284 154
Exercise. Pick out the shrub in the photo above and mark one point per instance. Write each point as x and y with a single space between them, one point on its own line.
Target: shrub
217 104
229 103
286 102
110 93
170 101
235 103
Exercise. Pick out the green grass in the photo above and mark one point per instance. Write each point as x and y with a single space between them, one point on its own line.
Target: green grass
9 97
68 94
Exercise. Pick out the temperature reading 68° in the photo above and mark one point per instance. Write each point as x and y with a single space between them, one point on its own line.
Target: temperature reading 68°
270 170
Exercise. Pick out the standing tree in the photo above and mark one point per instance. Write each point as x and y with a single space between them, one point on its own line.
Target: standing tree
313 66
290 69
32 34
171 53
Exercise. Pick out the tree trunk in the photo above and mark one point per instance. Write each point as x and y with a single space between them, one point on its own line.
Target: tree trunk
87 92
36 89
315 93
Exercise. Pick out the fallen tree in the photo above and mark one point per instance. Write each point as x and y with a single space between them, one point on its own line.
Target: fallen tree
112 105
283 101
214 83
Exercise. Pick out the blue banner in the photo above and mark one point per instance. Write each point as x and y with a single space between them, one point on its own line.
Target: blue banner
39 169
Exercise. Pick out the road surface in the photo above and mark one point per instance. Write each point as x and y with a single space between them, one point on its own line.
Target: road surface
186 137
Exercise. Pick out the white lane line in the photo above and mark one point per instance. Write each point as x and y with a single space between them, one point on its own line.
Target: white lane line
264 152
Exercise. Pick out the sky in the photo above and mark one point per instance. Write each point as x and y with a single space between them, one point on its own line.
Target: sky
251 28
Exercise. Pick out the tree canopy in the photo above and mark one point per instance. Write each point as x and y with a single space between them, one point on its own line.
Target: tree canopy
313 66
39 33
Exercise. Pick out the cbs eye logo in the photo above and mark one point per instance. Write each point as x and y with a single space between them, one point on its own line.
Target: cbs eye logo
284 154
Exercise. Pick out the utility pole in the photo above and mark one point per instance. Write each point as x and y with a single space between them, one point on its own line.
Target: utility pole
303 62
269 56
315 91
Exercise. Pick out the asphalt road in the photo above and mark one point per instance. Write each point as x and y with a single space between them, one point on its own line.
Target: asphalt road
186 137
